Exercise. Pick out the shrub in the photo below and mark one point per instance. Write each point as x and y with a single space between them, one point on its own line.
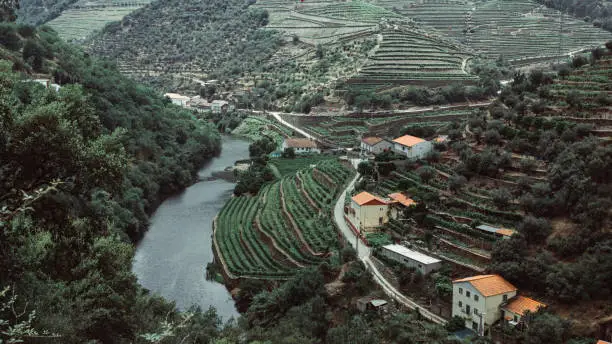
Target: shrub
8 36
534 228
426 173
501 197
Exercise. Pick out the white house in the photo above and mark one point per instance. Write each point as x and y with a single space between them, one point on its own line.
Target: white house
478 300
301 146
375 145
514 310
177 99
407 257
219 106
412 147
367 212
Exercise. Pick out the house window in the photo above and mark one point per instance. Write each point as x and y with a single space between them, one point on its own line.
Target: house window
475 310
474 326
467 293
461 291
516 318
475 297
505 297
420 266
468 310
460 304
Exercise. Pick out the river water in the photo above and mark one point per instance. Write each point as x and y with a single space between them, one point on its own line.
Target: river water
171 258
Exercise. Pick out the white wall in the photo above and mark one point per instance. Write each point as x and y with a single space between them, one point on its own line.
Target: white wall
489 305
179 102
367 217
302 150
407 261
418 151
377 148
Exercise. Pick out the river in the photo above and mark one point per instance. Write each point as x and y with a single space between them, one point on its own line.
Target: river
171 258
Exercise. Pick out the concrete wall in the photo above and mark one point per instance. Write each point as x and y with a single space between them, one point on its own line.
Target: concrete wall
377 148
418 151
408 262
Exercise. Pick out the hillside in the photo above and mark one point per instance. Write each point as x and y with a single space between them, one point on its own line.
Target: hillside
82 169
36 12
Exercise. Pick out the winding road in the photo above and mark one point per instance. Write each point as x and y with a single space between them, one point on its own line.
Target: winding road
364 253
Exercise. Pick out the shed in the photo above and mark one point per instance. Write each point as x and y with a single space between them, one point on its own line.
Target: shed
366 303
500 232
409 258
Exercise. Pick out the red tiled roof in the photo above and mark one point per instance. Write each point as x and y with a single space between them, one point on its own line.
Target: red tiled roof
403 199
489 285
300 143
408 140
371 141
521 304
365 197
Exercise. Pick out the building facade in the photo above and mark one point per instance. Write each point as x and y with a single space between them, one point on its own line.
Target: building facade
367 212
478 300
412 147
177 99
515 309
301 146
375 145
412 259
219 106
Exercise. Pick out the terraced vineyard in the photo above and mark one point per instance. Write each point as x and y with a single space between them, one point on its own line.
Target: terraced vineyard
78 22
409 57
285 227
346 131
519 30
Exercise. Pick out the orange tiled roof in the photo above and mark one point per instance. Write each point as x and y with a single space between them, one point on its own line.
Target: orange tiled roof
371 141
408 140
366 197
300 143
603 342
505 232
521 304
401 198
489 285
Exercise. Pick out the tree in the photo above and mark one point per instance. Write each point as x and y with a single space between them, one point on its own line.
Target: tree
289 153
545 327
34 53
319 52
456 182
501 197
456 323
426 173
535 229
492 137
365 168
573 99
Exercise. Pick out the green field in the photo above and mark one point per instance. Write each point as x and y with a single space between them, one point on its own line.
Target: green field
281 230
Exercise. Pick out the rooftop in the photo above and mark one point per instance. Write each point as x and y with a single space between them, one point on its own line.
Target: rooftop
403 199
219 102
366 197
176 96
408 140
414 255
603 342
489 285
495 230
371 141
300 143
521 304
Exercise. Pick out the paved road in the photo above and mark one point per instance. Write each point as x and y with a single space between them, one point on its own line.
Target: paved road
364 253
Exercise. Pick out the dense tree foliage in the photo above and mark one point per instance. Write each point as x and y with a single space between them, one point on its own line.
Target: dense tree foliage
81 170
220 37
599 12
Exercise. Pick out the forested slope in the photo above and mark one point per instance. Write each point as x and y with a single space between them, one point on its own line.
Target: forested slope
80 170
217 37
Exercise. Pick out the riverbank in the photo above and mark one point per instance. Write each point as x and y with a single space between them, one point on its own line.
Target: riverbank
171 258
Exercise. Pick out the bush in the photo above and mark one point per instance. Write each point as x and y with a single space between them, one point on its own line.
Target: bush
501 197
456 323
456 182
535 229
426 173
8 36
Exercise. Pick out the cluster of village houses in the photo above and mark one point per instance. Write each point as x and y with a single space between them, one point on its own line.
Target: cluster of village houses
481 300
200 104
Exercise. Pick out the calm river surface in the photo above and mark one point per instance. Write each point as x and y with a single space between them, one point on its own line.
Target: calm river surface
171 259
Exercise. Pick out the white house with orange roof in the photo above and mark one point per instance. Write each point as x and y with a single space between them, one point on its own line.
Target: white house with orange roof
367 212
375 145
301 145
514 310
478 300
412 147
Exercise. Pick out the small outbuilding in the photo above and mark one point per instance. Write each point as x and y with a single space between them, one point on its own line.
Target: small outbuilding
498 232
409 258
375 145
220 106
369 303
514 310
177 99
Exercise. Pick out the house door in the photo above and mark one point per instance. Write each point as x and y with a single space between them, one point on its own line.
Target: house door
380 221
